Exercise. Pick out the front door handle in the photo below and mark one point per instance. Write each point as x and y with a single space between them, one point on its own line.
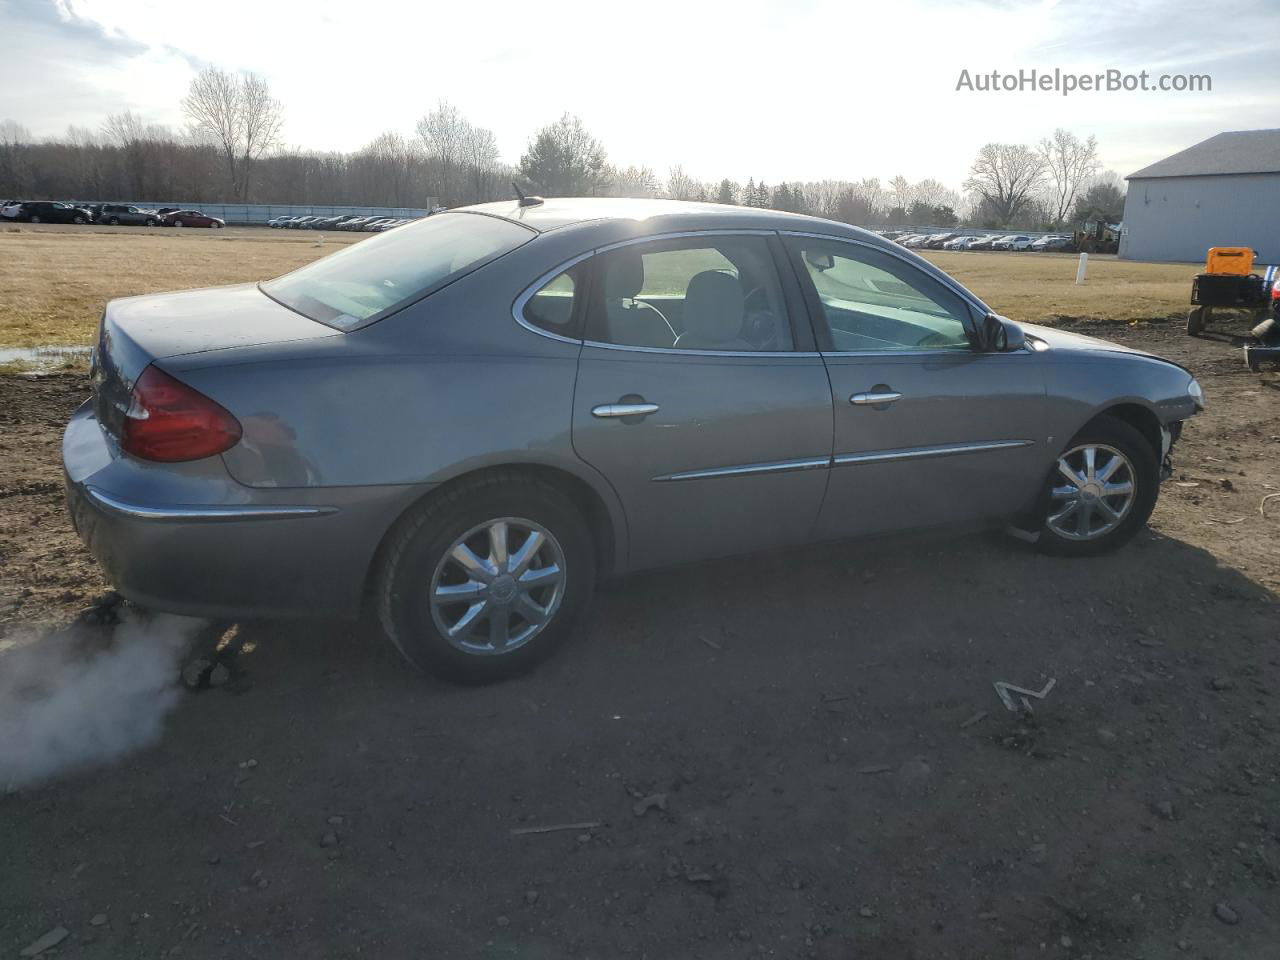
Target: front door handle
624 409
874 399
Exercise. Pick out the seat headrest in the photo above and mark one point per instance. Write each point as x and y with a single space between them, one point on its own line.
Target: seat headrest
624 274
713 308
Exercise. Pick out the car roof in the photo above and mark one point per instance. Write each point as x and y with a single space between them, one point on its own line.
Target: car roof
555 212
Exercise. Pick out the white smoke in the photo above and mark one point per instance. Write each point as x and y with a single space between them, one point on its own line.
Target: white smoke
76 698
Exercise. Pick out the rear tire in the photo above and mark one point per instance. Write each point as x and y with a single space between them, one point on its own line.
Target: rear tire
114 221
1061 530
419 564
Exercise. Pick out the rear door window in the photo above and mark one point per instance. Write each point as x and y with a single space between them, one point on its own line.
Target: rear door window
716 293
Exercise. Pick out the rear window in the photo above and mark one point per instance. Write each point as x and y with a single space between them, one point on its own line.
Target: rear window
351 287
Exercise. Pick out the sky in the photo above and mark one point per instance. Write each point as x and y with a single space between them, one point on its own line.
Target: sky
770 89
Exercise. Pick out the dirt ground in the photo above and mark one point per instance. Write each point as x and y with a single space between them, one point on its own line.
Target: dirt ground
835 777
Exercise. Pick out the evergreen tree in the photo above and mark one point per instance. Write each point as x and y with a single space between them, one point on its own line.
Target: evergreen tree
728 192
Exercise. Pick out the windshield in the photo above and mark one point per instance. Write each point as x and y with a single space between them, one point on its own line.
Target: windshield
350 287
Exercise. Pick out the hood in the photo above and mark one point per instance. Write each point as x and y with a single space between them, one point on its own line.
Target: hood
1064 340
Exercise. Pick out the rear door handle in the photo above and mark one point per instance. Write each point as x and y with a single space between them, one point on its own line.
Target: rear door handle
624 409
874 399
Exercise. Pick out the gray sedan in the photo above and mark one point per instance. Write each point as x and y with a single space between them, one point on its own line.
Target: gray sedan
465 422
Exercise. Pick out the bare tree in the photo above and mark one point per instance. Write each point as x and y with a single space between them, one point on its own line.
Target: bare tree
15 167
1004 177
630 181
681 186
901 192
444 133
481 158
934 194
383 170
1069 163
237 113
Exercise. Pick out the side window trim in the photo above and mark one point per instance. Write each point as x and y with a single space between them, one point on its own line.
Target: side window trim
794 294
818 316
580 299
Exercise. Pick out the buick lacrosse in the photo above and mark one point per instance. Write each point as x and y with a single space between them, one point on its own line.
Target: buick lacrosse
465 422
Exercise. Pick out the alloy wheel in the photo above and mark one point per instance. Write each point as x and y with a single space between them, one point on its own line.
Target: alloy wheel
498 586
1094 492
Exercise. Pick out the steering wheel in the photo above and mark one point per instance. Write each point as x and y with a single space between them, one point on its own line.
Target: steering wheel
759 322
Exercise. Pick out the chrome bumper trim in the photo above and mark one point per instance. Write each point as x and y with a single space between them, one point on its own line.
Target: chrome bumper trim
182 513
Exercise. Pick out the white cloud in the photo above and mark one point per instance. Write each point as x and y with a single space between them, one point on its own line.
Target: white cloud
774 90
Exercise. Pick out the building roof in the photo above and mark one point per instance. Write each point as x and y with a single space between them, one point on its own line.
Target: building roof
1240 151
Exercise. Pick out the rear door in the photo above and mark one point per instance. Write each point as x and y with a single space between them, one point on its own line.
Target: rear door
700 396
928 430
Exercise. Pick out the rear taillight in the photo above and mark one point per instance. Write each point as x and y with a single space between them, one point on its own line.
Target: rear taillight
170 421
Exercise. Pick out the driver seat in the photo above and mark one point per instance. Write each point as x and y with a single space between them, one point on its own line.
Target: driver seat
713 313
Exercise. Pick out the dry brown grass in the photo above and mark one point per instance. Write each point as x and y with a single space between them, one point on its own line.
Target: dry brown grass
55 280
1041 287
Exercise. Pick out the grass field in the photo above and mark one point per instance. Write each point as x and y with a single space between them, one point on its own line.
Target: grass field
55 280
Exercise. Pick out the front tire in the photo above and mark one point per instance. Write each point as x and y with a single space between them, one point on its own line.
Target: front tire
1101 491
484 581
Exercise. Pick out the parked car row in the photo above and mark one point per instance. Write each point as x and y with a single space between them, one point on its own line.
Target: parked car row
350 222
106 214
961 241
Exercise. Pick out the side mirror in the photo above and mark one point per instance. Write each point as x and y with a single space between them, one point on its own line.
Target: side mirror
819 261
1000 334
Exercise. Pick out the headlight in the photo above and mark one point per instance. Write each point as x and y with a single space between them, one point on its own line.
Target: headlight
1196 393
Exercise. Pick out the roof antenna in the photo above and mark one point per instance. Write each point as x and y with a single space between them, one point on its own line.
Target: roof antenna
525 201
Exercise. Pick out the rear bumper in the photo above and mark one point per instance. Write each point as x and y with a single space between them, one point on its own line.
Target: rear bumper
186 538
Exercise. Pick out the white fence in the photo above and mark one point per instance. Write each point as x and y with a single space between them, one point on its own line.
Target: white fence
251 213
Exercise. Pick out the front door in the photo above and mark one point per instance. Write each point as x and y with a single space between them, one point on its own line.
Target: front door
700 400
928 430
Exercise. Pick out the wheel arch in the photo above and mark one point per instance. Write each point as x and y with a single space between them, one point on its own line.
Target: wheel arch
1141 418
1137 415
602 512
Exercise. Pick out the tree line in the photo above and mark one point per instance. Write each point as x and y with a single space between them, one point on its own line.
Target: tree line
232 150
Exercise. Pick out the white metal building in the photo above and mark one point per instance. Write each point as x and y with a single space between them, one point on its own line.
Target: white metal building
1223 192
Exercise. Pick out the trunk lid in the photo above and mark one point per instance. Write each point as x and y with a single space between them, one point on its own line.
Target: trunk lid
136 331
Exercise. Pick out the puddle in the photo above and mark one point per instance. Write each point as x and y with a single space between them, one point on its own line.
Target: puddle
43 358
